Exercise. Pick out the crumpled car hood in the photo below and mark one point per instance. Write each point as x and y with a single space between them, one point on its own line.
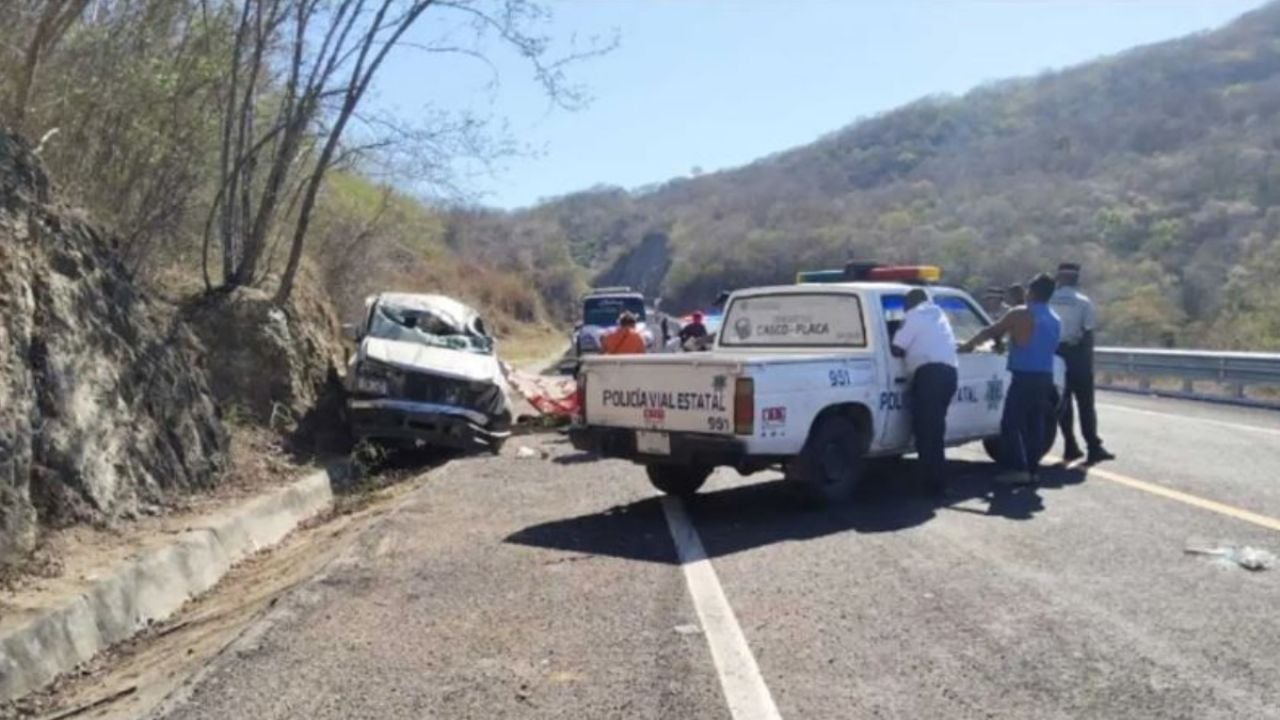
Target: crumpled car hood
438 361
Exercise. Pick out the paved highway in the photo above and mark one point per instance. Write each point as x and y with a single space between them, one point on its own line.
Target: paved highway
553 588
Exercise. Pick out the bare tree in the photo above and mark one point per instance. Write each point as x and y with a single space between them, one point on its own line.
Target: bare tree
55 18
300 70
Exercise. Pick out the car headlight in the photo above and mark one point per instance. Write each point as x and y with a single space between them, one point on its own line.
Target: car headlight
452 395
377 379
372 385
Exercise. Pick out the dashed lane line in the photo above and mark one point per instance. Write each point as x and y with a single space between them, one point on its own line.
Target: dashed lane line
1183 497
740 680
1207 421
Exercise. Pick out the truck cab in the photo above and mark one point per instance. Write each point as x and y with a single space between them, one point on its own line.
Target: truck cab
601 308
801 378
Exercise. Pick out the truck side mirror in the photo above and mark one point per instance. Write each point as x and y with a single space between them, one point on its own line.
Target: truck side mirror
351 331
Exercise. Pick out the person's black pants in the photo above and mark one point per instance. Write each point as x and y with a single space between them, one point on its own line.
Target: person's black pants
1079 385
932 388
1022 426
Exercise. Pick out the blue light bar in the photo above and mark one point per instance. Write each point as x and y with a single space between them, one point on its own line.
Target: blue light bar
820 276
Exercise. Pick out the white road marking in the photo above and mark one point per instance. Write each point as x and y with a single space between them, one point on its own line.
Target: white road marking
744 689
1207 421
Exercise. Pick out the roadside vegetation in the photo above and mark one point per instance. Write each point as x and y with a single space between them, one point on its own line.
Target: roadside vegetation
227 143
221 157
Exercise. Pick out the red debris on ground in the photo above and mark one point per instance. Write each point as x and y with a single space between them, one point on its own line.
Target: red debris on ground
557 396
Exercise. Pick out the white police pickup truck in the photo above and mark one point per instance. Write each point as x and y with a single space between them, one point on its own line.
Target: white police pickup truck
801 378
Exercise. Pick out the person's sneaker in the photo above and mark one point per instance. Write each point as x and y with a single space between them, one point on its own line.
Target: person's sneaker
1072 454
1098 455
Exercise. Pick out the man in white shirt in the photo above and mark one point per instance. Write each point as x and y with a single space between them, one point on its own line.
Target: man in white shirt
928 346
1079 320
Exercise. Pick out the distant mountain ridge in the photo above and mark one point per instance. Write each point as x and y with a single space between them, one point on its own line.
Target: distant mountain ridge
1158 168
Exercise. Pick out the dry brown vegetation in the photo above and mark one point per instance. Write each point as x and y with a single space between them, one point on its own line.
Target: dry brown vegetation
1158 168
220 141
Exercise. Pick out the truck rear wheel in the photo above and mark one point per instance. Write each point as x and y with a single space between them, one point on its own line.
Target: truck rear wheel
678 480
831 465
995 451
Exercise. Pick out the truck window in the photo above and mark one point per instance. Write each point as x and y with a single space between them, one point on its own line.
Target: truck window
604 311
818 320
965 320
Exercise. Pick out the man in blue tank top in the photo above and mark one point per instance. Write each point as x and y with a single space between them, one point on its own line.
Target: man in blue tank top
1028 406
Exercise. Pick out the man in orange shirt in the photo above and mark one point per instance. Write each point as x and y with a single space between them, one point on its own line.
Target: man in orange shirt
624 340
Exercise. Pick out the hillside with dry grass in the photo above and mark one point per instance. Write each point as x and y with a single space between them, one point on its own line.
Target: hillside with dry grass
1158 168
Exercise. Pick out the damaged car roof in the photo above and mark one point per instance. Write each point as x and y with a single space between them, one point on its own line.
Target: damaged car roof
461 316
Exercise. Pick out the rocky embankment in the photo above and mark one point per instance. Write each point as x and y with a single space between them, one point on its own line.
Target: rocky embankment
105 402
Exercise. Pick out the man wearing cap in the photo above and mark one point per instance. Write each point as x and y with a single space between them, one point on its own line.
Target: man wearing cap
928 345
1079 320
695 330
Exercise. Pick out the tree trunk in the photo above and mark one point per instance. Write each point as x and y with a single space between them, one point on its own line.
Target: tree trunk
360 79
54 23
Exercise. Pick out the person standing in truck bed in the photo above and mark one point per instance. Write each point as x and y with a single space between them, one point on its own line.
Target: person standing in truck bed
623 340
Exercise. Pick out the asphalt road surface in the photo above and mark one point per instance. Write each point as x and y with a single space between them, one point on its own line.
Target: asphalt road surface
553 588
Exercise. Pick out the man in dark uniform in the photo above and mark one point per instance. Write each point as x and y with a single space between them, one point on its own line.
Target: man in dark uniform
1079 321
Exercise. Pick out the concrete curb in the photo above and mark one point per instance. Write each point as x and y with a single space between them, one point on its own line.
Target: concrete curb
296 600
153 586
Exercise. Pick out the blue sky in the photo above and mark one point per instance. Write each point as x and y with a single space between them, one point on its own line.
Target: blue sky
713 84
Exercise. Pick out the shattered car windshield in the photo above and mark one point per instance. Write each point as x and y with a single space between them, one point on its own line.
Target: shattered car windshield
424 327
605 311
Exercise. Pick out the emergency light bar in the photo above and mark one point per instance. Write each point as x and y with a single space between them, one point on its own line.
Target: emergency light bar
821 276
907 273
868 272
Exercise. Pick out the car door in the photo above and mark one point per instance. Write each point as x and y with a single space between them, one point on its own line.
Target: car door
982 377
893 397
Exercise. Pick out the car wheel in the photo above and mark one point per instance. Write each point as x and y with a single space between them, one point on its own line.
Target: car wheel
831 465
678 480
995 450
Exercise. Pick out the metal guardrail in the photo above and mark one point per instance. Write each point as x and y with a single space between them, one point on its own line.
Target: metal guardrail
1234 370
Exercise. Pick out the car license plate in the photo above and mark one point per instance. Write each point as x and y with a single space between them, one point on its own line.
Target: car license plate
653 443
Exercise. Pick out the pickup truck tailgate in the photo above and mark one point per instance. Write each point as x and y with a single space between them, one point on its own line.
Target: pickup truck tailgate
661 394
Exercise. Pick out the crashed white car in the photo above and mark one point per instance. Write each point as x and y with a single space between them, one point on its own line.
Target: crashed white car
425 372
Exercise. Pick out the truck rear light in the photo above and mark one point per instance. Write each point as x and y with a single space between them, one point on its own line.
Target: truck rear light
744 406
580 394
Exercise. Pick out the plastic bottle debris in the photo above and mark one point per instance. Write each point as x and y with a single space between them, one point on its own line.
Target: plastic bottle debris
688 629
527 453
1254 559
1249 558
